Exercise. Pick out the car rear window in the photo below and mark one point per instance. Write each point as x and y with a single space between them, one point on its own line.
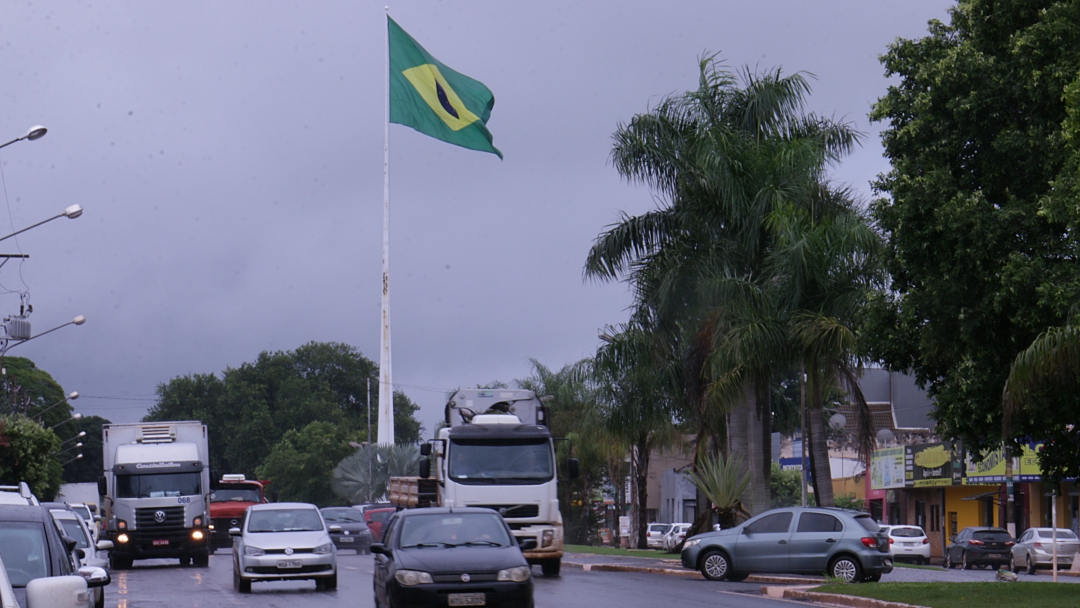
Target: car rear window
661 528
991 535
907 532
868 522
1061 534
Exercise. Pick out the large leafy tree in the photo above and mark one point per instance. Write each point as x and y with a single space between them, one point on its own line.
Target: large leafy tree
28 453
300 466
979 209
250 408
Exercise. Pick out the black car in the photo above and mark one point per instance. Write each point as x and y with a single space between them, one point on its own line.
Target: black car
979 546
31 547
451 556
354 532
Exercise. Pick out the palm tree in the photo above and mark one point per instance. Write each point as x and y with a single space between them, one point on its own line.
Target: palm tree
724 483
365 475
723 159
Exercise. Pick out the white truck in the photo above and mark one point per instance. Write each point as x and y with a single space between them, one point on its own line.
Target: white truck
156 492
496 452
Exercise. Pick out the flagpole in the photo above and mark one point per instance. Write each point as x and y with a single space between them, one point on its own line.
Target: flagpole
386 386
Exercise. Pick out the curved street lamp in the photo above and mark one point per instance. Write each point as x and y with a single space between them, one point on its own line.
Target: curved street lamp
71 461
79 436
73 417
34 132
77 445
5 329
74 395
71 212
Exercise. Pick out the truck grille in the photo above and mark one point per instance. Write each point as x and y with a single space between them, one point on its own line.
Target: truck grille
513 511
147 520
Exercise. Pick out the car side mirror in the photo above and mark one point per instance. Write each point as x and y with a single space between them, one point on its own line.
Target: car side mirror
234 532
104 545
425 467
379 549
69 542
527 544
61 591
573 468
80 553
335 529
95 577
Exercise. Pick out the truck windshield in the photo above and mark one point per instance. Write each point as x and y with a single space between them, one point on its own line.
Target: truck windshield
236 495
158 485
494 461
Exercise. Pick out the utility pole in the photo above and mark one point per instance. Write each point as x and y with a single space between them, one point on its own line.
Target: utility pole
369 480
802 413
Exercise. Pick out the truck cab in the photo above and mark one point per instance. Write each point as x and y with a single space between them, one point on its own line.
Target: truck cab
228 503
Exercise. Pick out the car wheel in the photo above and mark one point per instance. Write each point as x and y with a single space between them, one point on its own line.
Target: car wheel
551 567
964 562
1030 565
239 583
328 583
947 564
715 565
846 568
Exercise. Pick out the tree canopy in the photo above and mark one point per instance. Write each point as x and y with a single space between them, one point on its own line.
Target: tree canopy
979 208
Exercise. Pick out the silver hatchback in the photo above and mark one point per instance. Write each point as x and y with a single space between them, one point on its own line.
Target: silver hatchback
846 545
284 541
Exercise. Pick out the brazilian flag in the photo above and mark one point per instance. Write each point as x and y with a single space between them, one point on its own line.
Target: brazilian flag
435 100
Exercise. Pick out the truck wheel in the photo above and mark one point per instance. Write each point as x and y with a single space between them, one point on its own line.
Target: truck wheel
551 566
185 561
201 561
119 563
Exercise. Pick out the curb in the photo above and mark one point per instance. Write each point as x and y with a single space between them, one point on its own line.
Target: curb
848 601
687 573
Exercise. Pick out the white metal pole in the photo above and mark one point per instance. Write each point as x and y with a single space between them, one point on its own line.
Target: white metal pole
1053 516
386 384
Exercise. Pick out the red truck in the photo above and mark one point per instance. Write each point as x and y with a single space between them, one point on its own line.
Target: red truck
234 494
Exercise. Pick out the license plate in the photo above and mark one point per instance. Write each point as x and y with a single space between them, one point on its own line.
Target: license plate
161 542
345 539
996 556
289 563
467 599
909 544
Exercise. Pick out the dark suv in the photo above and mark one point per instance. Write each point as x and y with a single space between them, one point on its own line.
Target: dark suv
844 544
979 546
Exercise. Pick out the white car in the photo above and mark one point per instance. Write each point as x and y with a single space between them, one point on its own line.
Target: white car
284 541
674 536
654 536
17 495
86 550
1035 549
908 543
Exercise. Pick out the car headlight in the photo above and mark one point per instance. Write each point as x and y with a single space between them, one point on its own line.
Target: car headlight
518 574
412 577
249 550
691 543
323 549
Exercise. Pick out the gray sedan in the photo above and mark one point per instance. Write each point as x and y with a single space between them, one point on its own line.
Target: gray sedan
1035 549
843 544
284 541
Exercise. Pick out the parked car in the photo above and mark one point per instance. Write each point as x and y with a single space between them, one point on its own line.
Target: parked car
847 545
84 554
17 495
84 511
284 541
32 548
374 519
674 536
1035 549
979 546
654 536
908 543
456 557
354 533
52 592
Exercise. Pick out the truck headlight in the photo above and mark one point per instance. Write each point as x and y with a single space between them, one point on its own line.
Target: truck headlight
409 578
196 535
121 524
249 550
197 522
123 538
547 538
518 574
323 549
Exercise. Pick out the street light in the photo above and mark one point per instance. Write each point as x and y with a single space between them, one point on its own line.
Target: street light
71 461
77 445
79 436
34 132
74 395
13 328
73 417
72 212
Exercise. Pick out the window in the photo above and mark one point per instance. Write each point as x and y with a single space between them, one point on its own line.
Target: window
920 513
935 518
777 522
159 485
952 523
819 522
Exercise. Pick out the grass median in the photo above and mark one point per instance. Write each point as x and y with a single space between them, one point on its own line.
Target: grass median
618 551
948 595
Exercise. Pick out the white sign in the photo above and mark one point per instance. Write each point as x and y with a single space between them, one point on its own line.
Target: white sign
624 525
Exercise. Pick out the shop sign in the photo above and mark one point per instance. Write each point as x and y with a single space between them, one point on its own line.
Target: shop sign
887 468
991 468
930 465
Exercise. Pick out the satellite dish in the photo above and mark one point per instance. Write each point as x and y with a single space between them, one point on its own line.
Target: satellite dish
885 436
837 421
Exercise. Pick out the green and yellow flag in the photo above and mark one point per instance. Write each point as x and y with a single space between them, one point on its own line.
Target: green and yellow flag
435 100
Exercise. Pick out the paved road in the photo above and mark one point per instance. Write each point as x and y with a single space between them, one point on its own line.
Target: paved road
164 583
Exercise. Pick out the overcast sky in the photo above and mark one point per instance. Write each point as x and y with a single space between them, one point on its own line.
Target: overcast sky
229 159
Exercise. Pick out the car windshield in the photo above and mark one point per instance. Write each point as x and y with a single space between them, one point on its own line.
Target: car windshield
284 520
495 461
1061 534
74 529
23 549
344 515
452 530
158 485
236 495
907 532
997 536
